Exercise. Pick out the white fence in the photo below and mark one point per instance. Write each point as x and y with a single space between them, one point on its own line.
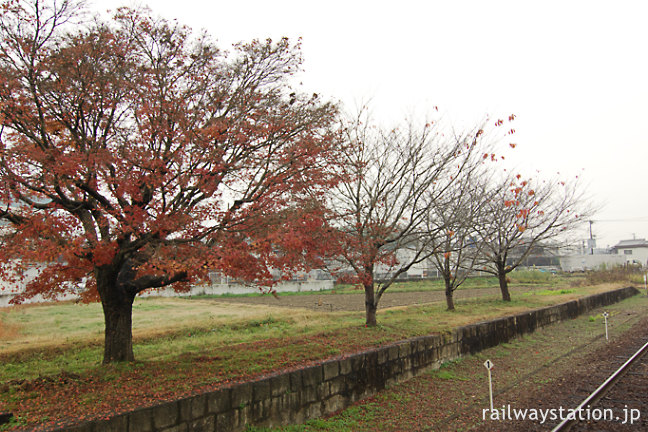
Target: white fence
233 288
574 263
207 289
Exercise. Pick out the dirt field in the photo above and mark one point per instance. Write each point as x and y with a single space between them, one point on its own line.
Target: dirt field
355 302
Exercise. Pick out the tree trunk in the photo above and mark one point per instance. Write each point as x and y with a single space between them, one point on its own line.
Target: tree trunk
117 305
503 283
449 293
370 305
118 335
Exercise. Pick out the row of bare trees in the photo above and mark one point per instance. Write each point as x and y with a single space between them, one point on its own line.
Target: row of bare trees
442 197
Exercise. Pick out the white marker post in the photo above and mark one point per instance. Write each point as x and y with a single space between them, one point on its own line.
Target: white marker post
606 315
646 283
489 365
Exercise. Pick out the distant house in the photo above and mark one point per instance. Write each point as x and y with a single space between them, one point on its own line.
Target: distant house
403 255
539 255
634 251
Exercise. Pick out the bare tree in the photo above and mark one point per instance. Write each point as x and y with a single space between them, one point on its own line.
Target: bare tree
520 215
381 209
458 211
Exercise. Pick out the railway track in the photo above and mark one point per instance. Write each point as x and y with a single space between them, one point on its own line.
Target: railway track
540 398
618 404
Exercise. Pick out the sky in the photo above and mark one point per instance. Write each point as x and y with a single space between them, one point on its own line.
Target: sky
575 74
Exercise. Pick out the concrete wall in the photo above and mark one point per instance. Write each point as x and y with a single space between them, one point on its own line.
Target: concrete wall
5 298
10 290
573 263
206 289
310 392
233 288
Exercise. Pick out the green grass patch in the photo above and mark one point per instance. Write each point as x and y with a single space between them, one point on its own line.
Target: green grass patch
13 423
446 374
550 292
348 421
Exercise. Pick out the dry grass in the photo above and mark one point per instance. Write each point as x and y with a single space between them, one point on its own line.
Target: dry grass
8 331
572 293
39 327
613 275
46 327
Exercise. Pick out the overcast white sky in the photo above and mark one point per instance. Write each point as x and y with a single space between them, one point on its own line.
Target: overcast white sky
574 72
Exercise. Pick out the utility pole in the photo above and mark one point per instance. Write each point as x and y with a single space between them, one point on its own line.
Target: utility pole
591 238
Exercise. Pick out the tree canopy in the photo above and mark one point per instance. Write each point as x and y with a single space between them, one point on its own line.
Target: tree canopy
134 154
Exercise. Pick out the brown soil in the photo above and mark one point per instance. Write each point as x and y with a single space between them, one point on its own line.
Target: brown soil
355 302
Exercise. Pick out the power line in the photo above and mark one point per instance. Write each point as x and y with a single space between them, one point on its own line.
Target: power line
638 219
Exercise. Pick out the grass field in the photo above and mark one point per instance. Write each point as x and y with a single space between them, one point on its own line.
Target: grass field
518 278
47 339
186 345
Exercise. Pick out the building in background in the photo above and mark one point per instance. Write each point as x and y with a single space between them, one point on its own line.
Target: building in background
625 252
634 251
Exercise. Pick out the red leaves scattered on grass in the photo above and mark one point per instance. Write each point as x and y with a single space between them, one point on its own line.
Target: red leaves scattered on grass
67 398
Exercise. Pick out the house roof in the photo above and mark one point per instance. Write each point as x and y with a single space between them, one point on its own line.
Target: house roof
634 243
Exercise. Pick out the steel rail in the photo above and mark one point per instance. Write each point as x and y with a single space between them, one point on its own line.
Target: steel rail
600 391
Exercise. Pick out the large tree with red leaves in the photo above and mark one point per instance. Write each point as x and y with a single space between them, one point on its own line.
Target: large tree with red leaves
135 155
